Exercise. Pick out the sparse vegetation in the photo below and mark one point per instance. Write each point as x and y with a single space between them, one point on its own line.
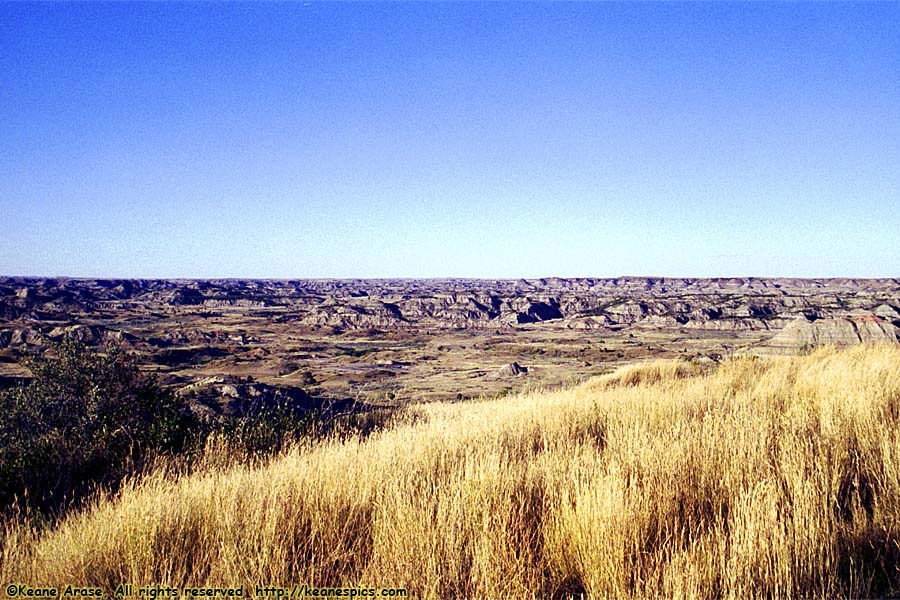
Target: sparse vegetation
355 352
86 418
756 478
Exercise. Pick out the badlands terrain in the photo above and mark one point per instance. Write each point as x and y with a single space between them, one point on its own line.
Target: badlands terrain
220 342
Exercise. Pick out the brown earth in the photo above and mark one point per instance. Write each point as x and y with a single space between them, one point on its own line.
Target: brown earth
387 341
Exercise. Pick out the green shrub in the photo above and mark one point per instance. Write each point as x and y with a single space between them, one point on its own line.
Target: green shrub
265 433
86 419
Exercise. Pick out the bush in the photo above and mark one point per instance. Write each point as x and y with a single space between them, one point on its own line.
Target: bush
86 419
265 433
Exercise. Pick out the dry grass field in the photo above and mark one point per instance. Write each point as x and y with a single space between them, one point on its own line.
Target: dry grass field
775 478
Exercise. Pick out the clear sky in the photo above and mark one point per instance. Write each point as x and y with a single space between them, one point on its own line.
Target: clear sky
465 139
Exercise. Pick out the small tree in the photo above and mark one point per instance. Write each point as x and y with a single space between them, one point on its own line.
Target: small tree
85 419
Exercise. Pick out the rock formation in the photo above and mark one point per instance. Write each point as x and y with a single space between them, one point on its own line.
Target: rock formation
513 369
803 334
229 396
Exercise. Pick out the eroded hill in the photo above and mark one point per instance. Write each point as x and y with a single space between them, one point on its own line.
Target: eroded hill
388 340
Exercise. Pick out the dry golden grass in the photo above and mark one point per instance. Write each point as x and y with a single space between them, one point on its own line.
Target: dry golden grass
760 478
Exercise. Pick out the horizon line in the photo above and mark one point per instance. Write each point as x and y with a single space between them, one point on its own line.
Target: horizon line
454 278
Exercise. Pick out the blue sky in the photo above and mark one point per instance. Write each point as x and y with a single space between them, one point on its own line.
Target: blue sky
461 139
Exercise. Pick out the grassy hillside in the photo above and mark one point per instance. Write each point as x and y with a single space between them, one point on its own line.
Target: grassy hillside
775 477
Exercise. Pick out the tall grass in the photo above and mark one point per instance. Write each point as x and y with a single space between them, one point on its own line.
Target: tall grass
759 478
